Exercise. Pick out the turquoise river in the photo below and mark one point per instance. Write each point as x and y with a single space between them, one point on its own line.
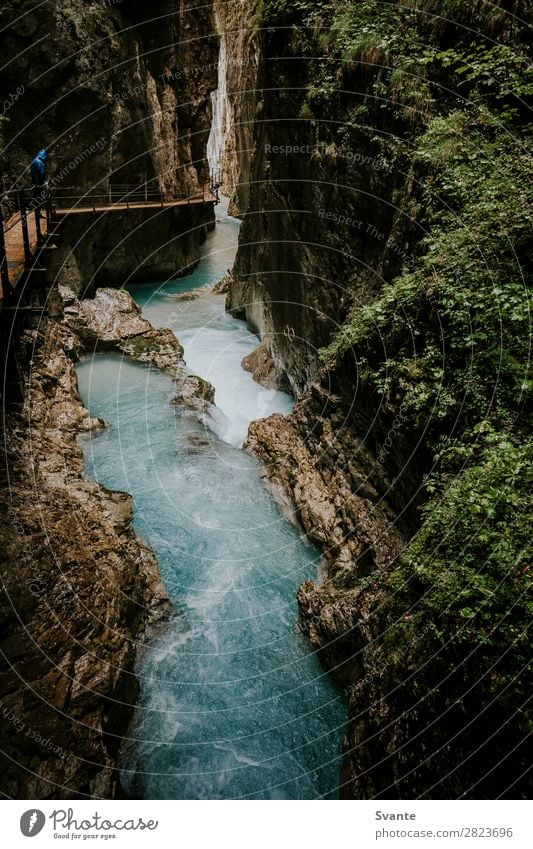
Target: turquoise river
233 702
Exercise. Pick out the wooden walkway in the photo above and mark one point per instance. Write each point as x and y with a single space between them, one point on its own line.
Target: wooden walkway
14 242
19 257
200 200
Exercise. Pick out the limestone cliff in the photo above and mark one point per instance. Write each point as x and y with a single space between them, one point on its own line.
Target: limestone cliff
239 61
79 589
134 246
114 92
119 95
320 214
377 264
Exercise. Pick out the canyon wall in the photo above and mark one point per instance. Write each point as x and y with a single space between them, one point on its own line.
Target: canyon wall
320 217
117 93
376 267
236 22
135 246
120 97
114 92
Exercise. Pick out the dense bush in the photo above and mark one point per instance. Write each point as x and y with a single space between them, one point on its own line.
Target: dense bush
439 90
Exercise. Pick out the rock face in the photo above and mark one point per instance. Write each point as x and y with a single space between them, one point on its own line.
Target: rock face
261 366
352 182
112 321
120 93
337 491
195 393
138 246
325 215
79 590
236 22
126 98
319 239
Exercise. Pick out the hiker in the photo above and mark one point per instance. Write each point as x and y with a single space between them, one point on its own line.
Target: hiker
38 179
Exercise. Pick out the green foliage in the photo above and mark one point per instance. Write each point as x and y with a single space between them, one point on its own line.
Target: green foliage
279 12
382 40
498 70
449 338
468 570
398 46
457 327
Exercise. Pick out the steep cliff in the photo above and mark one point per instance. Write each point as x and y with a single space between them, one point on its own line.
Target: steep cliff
111 91
382 262
117 93
239 63
323 200
135 246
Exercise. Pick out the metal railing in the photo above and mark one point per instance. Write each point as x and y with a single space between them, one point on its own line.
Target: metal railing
114 194
119 195
25 202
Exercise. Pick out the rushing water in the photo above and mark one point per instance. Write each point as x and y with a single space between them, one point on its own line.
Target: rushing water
220 105
233 702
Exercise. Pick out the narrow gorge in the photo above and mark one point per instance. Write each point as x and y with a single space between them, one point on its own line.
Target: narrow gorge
266 402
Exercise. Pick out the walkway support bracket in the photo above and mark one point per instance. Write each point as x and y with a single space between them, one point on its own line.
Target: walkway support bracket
24 222
4 270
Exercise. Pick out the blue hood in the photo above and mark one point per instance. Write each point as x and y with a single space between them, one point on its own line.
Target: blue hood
38 169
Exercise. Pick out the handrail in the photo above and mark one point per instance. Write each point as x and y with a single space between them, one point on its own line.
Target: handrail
123 190
115 195
29 207
125 194
106 195
4 270
25 209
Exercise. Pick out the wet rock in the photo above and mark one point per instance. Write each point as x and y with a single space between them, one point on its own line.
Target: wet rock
187 296
261 366
223 286
84 591
108 319
157 346
112 321
195 443
355 533
195 393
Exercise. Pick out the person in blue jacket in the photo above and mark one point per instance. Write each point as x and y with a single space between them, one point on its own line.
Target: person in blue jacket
38 177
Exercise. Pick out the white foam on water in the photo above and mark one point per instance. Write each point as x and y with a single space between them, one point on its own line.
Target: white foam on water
233 703
241 759
214 342
220 105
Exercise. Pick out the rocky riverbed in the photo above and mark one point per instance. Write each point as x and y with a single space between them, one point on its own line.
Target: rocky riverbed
332 488
86 589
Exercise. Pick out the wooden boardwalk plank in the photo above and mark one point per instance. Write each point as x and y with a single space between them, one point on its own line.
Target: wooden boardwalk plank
13 231
121 207
15 244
